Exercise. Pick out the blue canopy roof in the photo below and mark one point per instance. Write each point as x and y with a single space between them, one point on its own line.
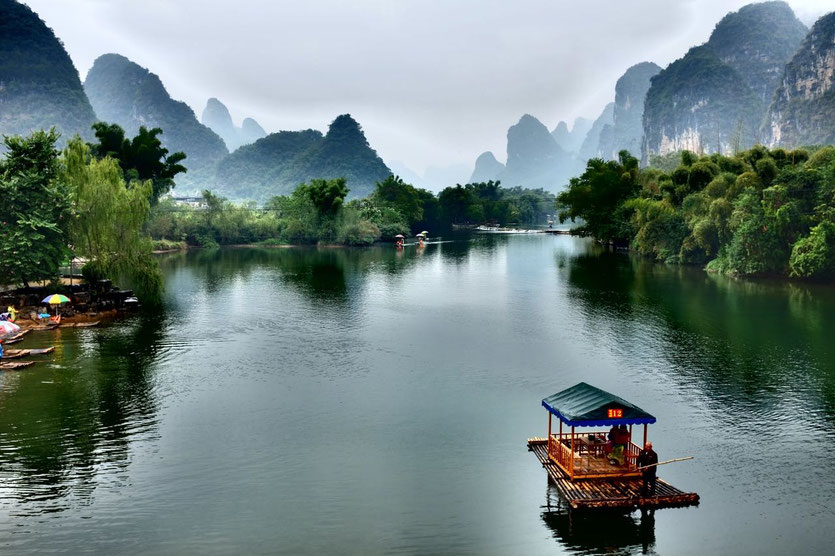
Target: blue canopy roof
585 405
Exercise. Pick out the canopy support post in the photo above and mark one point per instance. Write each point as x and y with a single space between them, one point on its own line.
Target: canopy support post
645 436
571 464
549 433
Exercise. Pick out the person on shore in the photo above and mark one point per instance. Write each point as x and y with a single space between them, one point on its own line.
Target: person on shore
13 312
1 350
645 458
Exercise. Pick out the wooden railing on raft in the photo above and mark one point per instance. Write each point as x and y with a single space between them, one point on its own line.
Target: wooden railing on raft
563 453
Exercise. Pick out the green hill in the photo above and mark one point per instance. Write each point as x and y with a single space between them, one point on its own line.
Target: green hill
278 163
127 94
803 110
39 85
715 97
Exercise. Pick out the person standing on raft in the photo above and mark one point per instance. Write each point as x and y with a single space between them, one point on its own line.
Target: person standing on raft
645 458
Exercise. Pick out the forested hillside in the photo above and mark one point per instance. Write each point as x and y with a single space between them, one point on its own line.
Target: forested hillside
129 95
39 85
278 163
715 97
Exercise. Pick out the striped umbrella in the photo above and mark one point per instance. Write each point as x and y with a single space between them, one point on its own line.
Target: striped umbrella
56 299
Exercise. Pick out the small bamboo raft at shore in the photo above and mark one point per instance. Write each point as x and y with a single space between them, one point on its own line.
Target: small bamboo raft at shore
79 324
19 353
14 338
610 493
15 365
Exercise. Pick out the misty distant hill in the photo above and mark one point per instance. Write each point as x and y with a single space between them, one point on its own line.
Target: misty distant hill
626 131
571 140
803 108
127 94
279 162
715 97
534 159
487 168
39 85
217 118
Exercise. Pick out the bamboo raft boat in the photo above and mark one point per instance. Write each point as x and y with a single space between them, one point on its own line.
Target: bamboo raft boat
15 365
578 463
50 326
611 493
19 353
79 324
14 338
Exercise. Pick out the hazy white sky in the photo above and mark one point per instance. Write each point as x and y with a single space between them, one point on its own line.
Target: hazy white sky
433 82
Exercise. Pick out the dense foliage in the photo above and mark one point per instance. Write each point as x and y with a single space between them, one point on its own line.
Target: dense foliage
34 212
276 164
761 212
108 221
141 158
316 212
39 86
59 205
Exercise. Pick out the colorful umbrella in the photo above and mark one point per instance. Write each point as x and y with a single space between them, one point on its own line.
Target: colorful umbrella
399 235
7 327
56 299
424 233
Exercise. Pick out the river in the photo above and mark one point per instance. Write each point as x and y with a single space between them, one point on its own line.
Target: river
368 401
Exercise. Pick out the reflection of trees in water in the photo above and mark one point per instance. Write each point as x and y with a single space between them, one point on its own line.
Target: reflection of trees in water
598 531
322 274
217 268
464 244
55 435
745 341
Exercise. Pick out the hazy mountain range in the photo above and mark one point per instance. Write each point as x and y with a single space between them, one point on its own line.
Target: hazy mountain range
762 76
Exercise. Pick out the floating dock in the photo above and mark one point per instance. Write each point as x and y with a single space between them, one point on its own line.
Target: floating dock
611 492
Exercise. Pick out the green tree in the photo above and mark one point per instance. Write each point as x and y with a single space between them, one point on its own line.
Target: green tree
395 193
597 197
814 255
108 221
141 158
35 210
327 195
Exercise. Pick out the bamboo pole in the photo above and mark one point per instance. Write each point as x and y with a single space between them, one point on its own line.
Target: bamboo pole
639 468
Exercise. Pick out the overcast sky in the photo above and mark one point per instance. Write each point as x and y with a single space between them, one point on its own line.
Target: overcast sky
433 82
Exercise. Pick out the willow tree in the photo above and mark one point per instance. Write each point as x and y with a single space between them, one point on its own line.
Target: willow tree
109 217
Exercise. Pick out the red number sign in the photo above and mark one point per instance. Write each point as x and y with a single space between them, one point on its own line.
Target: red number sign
615 414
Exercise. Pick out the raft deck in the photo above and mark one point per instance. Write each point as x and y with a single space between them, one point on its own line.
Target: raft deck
609 493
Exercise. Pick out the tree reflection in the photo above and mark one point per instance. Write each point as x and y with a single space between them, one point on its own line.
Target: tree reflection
743 341
56 433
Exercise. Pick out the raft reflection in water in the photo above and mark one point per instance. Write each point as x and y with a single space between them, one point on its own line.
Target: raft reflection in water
599 531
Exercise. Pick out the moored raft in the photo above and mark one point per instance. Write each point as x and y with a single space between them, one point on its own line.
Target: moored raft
15 365
582 465
80 324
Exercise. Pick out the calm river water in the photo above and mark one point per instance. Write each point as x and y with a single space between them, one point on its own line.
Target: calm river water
367 401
